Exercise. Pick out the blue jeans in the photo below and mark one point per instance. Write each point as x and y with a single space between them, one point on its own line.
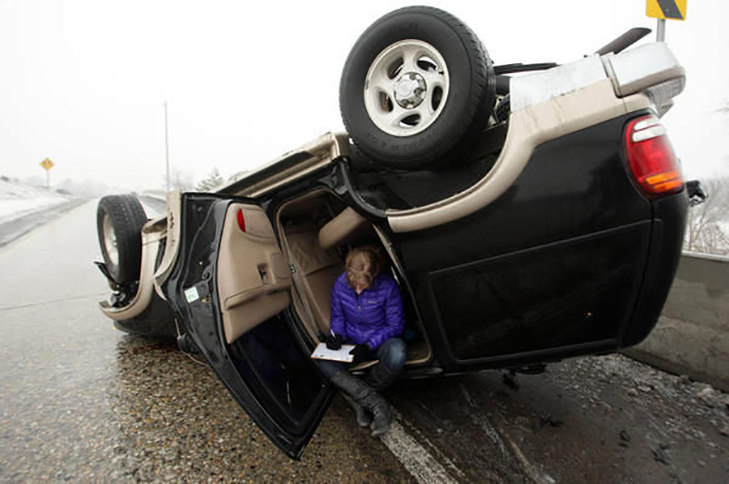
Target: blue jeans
392 354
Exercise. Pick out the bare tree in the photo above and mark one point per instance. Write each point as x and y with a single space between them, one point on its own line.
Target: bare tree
210 182
707 229
181 179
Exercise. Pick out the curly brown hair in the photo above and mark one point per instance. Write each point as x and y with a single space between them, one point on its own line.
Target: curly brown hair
362 265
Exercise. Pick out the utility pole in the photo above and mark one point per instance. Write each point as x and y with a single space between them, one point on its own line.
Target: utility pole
167 152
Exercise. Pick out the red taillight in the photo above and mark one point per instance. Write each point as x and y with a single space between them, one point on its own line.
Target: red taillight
651 158
241 220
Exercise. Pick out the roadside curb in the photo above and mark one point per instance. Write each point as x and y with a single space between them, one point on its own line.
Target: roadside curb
665 364
692 335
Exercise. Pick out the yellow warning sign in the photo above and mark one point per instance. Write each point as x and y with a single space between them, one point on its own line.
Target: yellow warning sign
47 164
666 9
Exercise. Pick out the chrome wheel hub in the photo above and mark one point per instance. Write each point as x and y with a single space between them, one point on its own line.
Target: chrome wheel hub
410 90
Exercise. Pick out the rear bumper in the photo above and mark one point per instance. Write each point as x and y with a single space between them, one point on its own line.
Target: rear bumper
669 223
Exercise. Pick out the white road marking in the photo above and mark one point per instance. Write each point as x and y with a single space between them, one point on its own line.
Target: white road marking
529 469
437 454
418 461
483 422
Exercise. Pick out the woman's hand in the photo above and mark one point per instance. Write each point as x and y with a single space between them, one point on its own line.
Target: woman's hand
361 352
334 341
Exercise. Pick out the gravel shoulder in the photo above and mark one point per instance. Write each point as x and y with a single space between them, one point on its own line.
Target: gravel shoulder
597 419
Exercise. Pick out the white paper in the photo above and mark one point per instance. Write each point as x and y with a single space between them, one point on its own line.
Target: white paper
342 354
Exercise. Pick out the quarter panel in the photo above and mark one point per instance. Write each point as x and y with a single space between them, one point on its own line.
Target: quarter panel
563 294
574 190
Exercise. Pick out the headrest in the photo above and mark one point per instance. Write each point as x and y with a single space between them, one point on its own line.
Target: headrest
342 228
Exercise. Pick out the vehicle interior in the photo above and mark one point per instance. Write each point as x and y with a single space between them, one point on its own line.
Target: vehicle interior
317 231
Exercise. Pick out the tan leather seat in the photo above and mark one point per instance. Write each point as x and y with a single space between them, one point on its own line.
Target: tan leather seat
318 263
318 268
345 227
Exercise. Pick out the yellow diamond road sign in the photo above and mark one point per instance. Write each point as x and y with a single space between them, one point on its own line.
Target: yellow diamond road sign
47 164
666 9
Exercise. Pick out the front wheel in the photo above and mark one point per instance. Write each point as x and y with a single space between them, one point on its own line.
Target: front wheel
119 221
417 84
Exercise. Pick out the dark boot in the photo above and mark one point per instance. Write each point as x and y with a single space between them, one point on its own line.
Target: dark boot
380 377
365 396
364 417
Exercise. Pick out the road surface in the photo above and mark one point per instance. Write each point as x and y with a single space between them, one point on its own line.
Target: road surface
81 401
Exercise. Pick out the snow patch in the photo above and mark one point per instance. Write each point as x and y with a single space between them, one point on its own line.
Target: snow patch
18 199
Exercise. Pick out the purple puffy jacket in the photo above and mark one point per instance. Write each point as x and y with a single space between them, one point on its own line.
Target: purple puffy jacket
372 317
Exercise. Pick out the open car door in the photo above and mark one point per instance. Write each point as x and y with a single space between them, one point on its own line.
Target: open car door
230 289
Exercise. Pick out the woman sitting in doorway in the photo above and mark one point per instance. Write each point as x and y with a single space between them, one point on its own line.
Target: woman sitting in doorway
367 311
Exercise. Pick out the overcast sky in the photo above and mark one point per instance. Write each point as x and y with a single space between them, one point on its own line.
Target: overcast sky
84 82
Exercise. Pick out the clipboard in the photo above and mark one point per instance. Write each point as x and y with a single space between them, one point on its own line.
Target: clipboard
321 352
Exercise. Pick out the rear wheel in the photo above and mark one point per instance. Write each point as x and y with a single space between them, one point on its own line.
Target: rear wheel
119 221
416 85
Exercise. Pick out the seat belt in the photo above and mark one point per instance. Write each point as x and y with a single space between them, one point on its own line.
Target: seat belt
296 277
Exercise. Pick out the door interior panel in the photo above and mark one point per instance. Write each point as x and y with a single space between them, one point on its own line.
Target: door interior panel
253 279
230 291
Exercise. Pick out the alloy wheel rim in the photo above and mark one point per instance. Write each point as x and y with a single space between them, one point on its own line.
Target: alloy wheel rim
406 88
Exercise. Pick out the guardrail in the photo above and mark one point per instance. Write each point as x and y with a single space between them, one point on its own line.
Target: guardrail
692 334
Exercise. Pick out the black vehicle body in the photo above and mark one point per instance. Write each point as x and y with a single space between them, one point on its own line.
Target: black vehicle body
534 241
489 294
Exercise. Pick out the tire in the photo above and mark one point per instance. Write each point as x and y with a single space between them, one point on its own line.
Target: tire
434 92
119 221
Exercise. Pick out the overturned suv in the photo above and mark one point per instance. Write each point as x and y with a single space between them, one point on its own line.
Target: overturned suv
526 217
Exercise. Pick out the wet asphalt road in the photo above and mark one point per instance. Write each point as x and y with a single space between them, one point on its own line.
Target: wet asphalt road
80 401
